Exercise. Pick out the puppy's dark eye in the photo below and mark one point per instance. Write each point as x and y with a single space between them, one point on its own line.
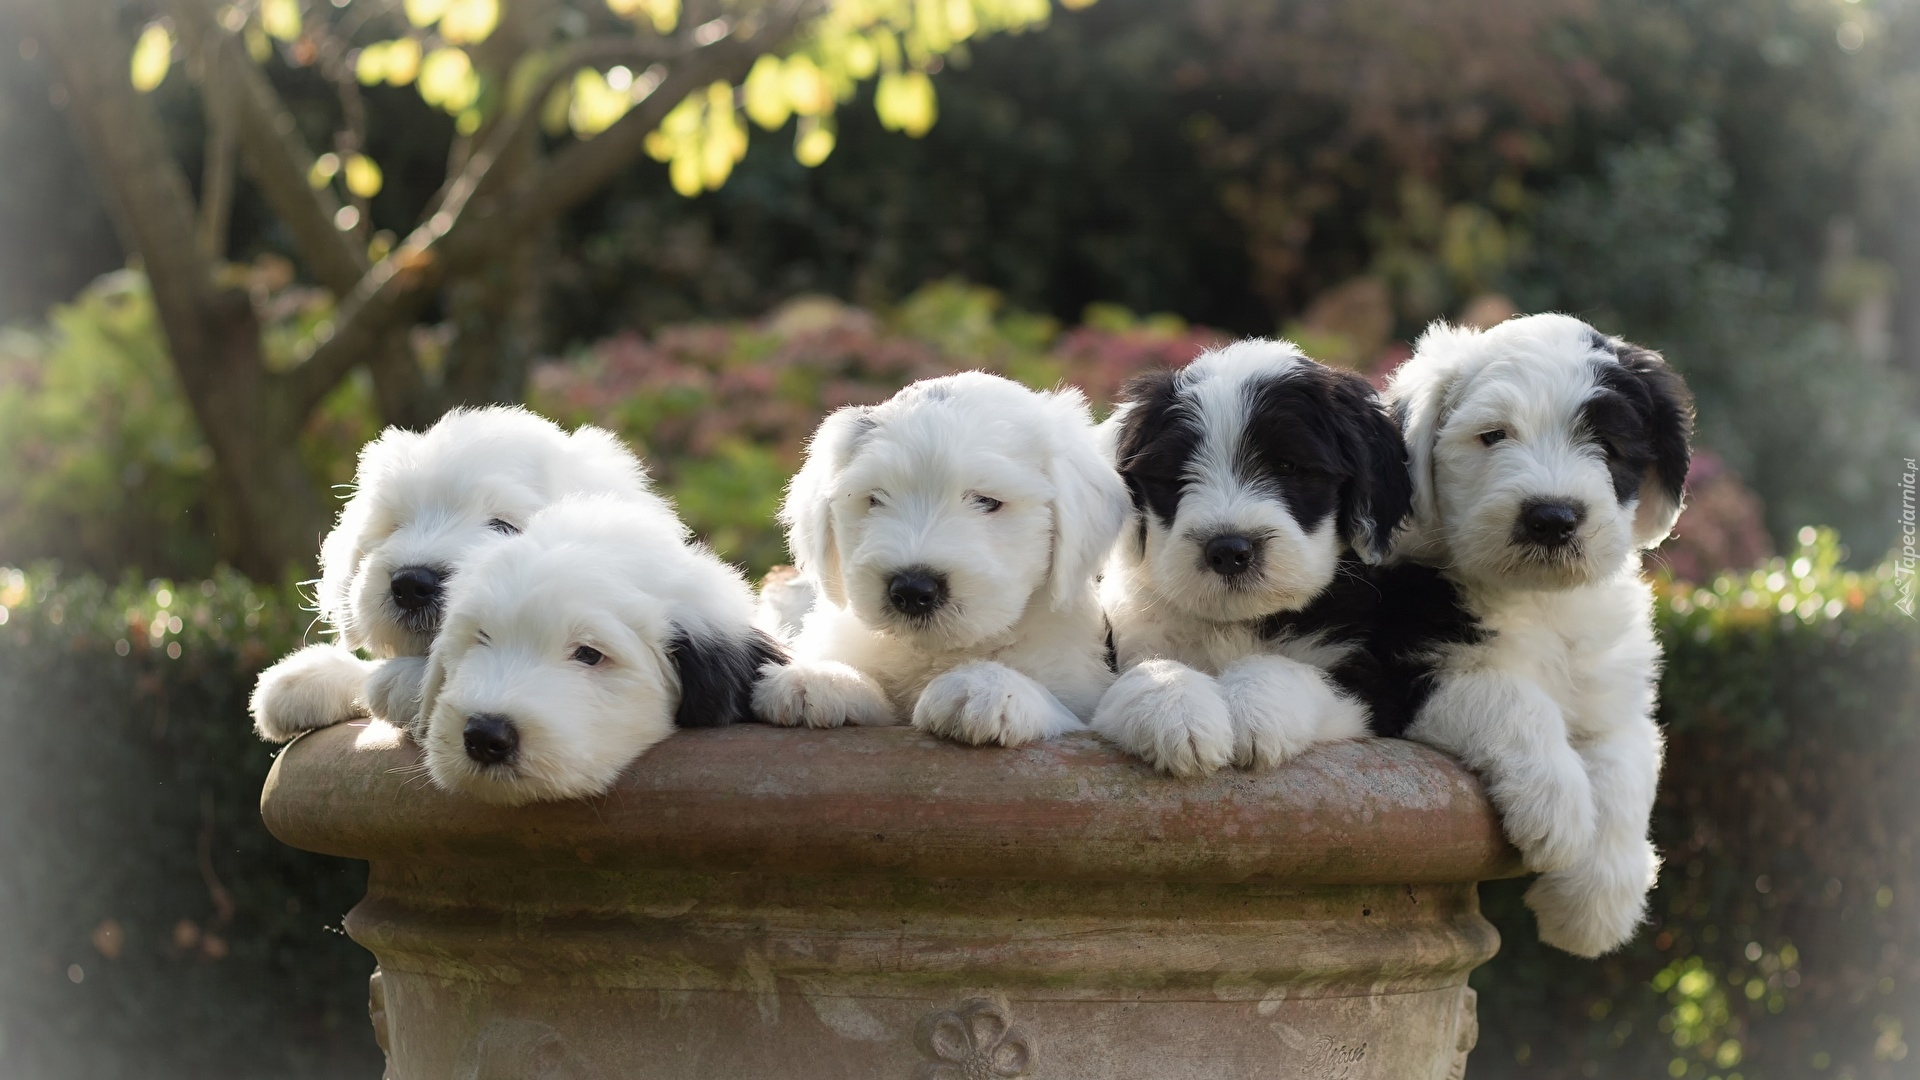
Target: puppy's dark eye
588 655
1488 438
503 527
987 503
873 501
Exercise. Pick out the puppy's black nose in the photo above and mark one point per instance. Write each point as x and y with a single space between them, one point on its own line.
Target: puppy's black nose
1550 524
490 738
415 587
917 592
1228 555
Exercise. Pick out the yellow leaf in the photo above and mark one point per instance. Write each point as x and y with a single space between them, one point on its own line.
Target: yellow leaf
595 104
814 140
467 122
152 57
807 88
469 21
861 58
766 93
553 111
960 19
663 14
1076 5
448 81
424 13
905 102
659 146
259 45
684 174
363 176
370 66
323 170
280 18
403 61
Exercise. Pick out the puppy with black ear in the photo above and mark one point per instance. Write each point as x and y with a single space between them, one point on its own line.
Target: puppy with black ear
1545 455
425 503
573 648
1264 487
950 538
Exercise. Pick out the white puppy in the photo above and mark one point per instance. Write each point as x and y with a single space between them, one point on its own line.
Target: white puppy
571 649
1544 456
423 504
1264 486
952 535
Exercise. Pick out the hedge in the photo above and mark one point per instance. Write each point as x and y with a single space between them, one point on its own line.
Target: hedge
150 927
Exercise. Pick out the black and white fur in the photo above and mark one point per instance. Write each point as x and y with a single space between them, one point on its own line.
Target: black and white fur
1264 486
1545 455
425 503
951 537
571 649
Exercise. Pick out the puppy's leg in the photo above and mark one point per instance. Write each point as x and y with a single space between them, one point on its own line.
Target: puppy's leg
820 694
1510 732
985 702
316 687
1168 715
1279 707
393 692
1595 905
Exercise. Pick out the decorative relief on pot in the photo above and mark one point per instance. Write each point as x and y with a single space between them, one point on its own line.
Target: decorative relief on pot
974 1041
1466 1027
1336 1060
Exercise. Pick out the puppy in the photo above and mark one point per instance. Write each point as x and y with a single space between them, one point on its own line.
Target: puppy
423 504
569 650
1264 486
951 536
1545 455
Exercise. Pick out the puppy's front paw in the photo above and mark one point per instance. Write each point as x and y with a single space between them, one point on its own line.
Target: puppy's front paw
819 694
393 692
1168 715
316 687
1594 907
1549 813
985 702
1280 707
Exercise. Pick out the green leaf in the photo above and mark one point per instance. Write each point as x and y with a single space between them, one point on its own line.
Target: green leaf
152 57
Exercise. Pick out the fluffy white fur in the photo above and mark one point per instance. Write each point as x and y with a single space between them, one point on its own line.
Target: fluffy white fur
577 637
1200 686
1554 707
1001 493
430 500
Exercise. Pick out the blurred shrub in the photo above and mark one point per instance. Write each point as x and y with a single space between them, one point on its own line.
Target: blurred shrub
149 925
1785 931
722 411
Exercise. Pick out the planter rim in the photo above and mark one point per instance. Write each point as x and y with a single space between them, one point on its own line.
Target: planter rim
896 801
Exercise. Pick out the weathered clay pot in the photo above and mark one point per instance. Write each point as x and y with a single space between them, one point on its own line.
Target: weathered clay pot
873 903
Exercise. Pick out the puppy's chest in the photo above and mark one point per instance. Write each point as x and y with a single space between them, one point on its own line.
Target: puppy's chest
1575 647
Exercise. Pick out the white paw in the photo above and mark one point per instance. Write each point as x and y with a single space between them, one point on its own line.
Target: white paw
984 702
1549 815
316 687
393 691
1595 907
1281 707
818 694
1168 715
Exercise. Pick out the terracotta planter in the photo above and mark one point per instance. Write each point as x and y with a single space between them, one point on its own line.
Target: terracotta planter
762 903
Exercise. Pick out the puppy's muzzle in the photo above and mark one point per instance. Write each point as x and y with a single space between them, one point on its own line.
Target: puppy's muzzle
1549 523
417 588
1230 555
917 592
491 739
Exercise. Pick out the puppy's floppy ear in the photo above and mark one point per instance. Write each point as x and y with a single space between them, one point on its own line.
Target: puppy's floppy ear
346 546
1089 499
1420 394
807 511
717 672
1669 433
1379 490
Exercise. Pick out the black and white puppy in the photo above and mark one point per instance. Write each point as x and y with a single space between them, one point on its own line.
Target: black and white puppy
571 649
1264 485
1545 455
950 538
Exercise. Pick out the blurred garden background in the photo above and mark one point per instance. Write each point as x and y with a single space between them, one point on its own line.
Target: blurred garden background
240 238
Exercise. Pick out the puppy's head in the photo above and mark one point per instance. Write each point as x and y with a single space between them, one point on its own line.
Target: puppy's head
569 650
424 503
1543 452
1253 470
939 515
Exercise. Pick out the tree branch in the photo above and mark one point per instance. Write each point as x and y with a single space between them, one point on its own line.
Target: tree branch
216 176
